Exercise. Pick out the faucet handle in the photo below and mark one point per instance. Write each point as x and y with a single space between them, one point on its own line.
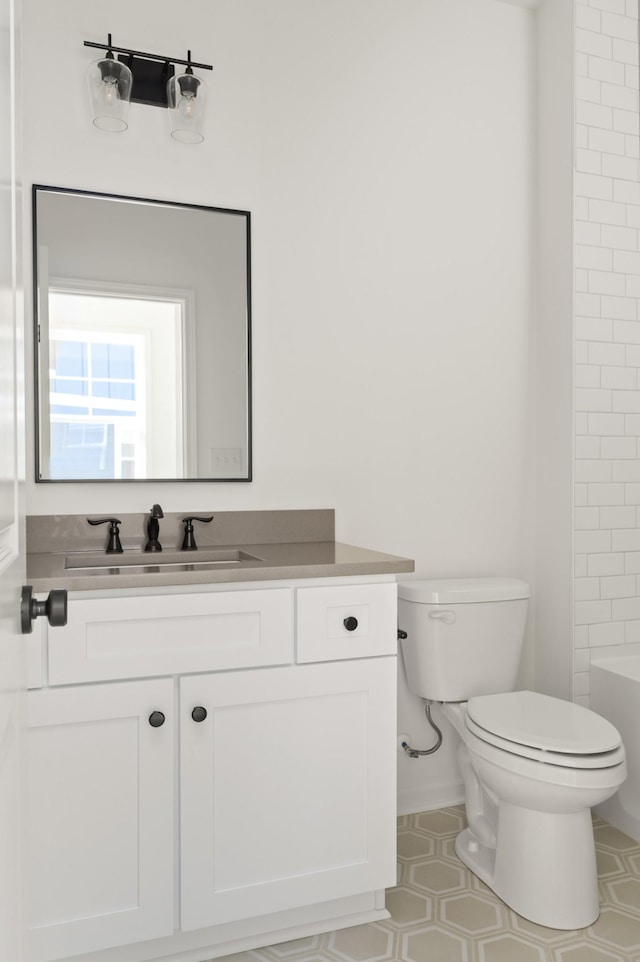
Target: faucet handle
113 544
156 511
189 542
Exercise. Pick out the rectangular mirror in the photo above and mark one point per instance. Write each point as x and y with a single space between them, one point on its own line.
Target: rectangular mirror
142 331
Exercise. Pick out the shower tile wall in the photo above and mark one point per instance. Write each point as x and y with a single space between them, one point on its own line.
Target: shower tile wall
607 332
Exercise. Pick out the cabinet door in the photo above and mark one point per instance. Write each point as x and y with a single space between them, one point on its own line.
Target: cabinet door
100 815
288 790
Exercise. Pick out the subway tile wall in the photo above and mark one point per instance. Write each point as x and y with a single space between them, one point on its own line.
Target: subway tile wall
607 332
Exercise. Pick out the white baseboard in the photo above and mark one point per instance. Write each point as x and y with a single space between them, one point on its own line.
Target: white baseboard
426 798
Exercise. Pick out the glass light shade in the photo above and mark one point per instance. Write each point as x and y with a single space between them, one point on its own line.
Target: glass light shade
110 92
186 98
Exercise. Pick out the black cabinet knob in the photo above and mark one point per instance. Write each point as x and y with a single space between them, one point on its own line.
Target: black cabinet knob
199 713
156 719
350 623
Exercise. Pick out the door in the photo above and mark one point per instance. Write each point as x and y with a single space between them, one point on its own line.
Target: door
12 564
99 803
287 788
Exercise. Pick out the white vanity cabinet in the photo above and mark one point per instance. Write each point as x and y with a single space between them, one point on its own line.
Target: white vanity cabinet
261 800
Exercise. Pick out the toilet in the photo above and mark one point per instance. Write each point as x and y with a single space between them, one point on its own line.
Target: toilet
532 765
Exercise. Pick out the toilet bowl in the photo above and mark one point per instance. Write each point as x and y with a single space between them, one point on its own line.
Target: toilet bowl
532 765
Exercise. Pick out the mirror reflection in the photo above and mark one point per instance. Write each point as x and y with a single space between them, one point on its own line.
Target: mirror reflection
143 339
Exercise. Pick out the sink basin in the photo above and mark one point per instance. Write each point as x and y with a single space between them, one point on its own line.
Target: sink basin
140 563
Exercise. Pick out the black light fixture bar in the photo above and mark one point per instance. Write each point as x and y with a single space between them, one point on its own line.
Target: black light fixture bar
147 56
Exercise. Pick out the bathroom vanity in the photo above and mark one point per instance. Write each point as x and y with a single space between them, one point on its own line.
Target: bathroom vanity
211 752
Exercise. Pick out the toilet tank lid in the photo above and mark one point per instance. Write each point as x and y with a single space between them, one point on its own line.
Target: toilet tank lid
461 591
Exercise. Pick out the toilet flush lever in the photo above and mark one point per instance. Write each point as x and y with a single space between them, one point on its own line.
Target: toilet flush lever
448 617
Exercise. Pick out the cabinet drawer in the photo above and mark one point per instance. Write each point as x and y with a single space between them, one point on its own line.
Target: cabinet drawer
157 635
354 621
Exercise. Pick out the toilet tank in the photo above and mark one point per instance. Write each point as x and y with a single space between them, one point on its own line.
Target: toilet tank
464 635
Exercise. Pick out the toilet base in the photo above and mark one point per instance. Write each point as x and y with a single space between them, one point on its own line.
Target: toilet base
543 866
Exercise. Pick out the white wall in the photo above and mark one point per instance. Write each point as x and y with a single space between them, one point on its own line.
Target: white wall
385 150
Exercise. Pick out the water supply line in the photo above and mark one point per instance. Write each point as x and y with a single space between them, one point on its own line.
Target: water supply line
419 752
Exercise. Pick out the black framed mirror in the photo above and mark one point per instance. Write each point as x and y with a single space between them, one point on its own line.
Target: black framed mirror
142 315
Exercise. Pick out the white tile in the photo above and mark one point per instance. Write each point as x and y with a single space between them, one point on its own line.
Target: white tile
606 141
606 424
632 424
607 353
626 539
605 494
581 636
581 351
592 542
632 492
625 401
628 262
586 471
582 660
622 27
599 565
623 609
619 308
581 208
615 95
588 161
625 51
588 375
607 212
631 632
606 634
627 191
593 612
592 185
604 69
580 566
631 148
587 18
606 282
626 332
581 422
587 41
622 586
581 683
622 378
580 495
620 238
582 64
594 329
617 448
632 562
586 519
588 305
587 233
595 258
595 115
632 352
628 471
589 89
633 285
588 589
624 121
618 516
612 6
595 399
632 9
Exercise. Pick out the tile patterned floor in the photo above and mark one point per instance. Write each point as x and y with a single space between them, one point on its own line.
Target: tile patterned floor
440 912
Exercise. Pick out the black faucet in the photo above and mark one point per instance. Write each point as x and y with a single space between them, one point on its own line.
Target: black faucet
189 541
153 529
113 544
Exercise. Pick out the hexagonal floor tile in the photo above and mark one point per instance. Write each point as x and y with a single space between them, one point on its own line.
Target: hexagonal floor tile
626 892
608 863
407 907
443 822
509 948
411 845
296 947
584 952
609 837
437 877
620 932
362 943
471 913
434 943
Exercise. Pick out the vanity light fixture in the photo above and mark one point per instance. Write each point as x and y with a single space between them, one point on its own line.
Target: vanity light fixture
146 78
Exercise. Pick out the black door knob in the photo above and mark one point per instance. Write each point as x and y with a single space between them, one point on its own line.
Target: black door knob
55 609
350 623
156 719
199 713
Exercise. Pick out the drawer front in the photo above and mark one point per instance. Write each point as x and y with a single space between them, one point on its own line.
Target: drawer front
161 635
350 621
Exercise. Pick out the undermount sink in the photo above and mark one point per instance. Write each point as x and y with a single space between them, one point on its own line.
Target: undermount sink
137 562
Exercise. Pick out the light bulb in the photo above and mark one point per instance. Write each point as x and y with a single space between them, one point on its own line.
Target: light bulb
111 96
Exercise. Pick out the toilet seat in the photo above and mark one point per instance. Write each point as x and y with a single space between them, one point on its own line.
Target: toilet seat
545 729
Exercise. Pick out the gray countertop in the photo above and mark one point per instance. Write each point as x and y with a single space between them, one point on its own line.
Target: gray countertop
91 569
